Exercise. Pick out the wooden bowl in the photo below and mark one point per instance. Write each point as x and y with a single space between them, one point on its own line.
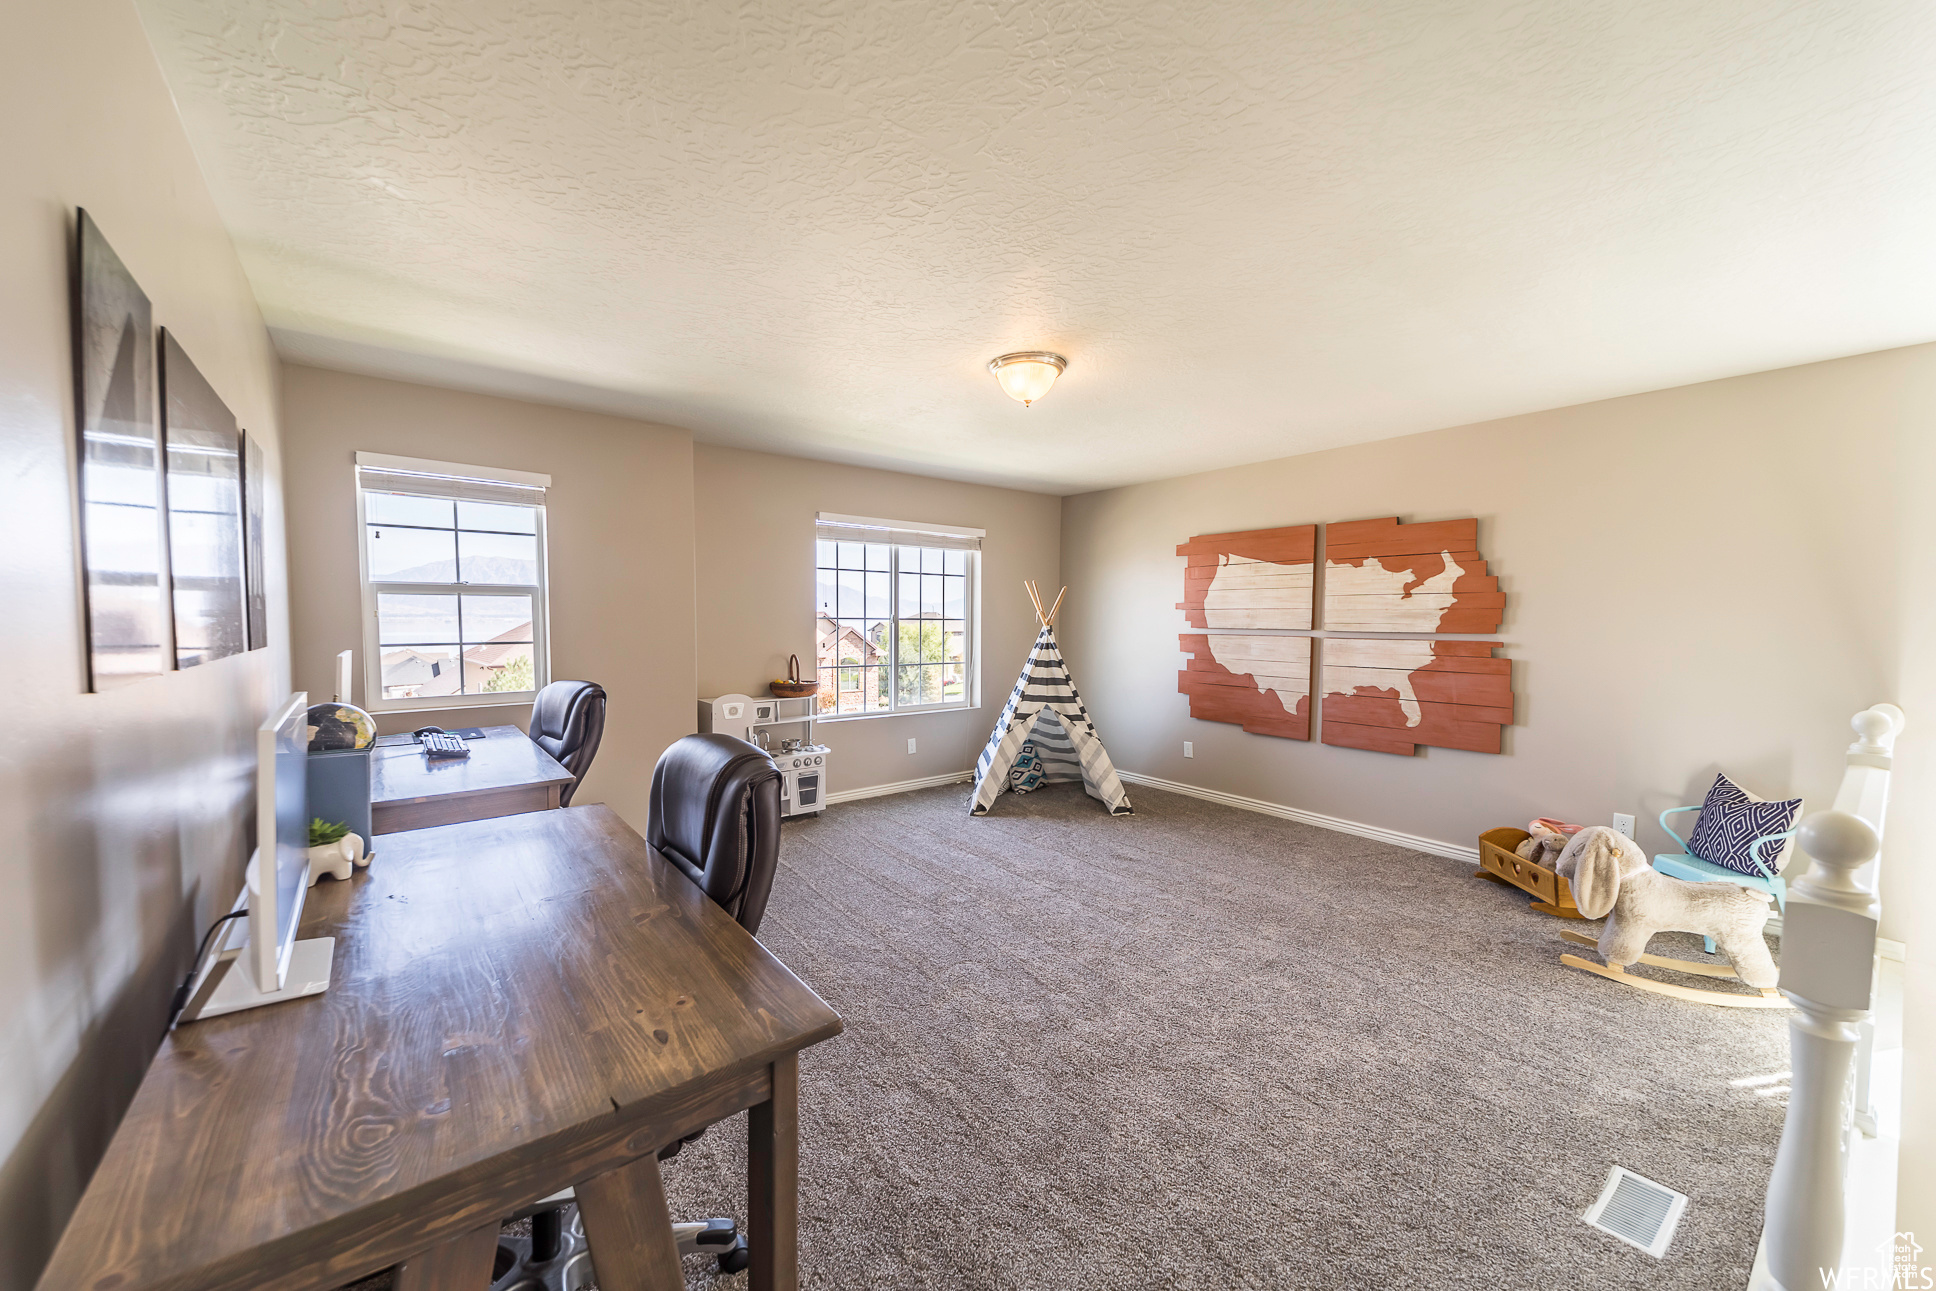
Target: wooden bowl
793 689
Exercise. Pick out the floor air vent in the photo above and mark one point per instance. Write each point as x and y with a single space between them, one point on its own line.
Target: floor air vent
1638 1211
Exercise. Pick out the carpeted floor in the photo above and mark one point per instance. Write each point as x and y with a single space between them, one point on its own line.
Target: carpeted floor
1200 1047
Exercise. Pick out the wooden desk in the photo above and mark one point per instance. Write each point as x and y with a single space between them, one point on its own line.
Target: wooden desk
516 1005
504 775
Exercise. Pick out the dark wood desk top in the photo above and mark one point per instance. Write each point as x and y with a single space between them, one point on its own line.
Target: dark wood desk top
504 759
516 1004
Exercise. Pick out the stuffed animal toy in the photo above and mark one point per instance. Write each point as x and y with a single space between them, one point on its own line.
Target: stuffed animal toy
1611 878
1545 840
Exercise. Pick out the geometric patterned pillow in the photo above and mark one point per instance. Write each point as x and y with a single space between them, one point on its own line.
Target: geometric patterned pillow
1026 774
1732 818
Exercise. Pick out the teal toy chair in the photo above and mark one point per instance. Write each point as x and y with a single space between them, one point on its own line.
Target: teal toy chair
1685 865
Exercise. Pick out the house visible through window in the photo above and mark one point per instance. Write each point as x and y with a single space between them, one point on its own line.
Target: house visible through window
894 627
453 565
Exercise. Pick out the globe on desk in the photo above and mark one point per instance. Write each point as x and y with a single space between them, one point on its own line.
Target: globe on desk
340 726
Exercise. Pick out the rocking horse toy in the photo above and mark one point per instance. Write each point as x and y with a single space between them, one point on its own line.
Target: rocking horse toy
1611 879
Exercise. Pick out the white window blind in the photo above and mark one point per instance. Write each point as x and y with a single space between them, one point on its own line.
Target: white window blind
449 480
829 527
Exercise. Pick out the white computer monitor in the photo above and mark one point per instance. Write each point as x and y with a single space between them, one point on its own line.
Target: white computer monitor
258 959
278 876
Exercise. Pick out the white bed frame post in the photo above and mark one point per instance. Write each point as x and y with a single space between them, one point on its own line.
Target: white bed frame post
1828 949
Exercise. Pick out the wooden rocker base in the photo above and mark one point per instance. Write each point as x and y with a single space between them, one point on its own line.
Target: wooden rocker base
1661 961
1767 999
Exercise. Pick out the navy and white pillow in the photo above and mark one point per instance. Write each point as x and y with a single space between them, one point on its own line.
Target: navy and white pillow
1732 818
1028 770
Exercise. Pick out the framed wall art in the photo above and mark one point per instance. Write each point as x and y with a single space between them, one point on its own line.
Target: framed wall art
255 570
205 513
123 552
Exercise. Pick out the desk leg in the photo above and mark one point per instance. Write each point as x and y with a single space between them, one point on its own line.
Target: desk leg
773 1182
629 1228
461 1264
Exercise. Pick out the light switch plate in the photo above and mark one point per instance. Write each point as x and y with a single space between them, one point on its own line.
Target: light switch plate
910 746
1189 749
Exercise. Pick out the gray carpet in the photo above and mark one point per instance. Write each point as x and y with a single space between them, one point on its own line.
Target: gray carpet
1200 1047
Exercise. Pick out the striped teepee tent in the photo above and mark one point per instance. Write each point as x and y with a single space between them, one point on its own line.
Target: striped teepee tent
1044 733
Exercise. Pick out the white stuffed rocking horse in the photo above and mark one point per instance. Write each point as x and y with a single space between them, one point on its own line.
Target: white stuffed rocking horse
1611 878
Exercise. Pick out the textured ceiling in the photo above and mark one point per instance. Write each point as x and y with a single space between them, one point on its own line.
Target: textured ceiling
1255 229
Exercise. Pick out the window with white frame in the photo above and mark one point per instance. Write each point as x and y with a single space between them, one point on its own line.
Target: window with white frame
453 561
895 618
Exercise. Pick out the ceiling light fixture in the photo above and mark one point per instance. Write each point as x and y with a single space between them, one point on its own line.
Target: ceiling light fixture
1027 374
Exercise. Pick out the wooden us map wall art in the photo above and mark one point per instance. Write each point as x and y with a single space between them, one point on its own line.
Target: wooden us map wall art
1388 694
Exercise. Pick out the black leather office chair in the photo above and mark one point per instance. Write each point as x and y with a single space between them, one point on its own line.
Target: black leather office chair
568 721
715 815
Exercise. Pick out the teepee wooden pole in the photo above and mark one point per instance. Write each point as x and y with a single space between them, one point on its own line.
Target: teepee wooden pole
1058 605
1035 598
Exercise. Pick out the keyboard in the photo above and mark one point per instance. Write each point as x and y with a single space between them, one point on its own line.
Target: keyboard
442 744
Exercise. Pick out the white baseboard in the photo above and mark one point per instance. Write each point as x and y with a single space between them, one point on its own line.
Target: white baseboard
1415 842
900 786
1890 949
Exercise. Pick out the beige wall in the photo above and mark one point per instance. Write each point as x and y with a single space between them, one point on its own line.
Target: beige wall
126 812
619 547
1713 577
756 514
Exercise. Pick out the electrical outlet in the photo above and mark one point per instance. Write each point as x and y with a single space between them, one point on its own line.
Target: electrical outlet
910 746
1189 749
1624 823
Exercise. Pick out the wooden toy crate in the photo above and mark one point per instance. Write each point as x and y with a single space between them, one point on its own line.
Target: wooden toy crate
1551 894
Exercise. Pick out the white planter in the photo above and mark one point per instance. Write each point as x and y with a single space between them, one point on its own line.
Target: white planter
338 859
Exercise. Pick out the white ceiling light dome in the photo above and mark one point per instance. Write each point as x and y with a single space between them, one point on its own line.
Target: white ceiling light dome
1027 374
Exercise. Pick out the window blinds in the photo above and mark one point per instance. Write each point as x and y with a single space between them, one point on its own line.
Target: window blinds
841 528
449 480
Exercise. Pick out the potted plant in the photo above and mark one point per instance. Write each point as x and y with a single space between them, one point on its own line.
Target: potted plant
334 850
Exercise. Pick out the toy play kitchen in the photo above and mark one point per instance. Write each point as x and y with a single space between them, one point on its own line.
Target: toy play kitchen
802 762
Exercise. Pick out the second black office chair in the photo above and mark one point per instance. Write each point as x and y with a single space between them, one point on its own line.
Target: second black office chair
568 721
714 815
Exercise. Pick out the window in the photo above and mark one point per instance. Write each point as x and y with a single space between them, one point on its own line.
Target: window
453 561
894 625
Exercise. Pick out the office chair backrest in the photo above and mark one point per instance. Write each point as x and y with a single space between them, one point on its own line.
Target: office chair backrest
568 721
715 813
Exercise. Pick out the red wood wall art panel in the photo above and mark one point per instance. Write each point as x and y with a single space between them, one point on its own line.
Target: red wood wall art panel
1261 683
1383 576
1259 578
1391 696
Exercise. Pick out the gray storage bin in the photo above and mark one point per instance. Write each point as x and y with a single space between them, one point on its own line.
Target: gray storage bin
339 789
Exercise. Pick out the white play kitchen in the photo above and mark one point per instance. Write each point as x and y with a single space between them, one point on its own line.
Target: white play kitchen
802 762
